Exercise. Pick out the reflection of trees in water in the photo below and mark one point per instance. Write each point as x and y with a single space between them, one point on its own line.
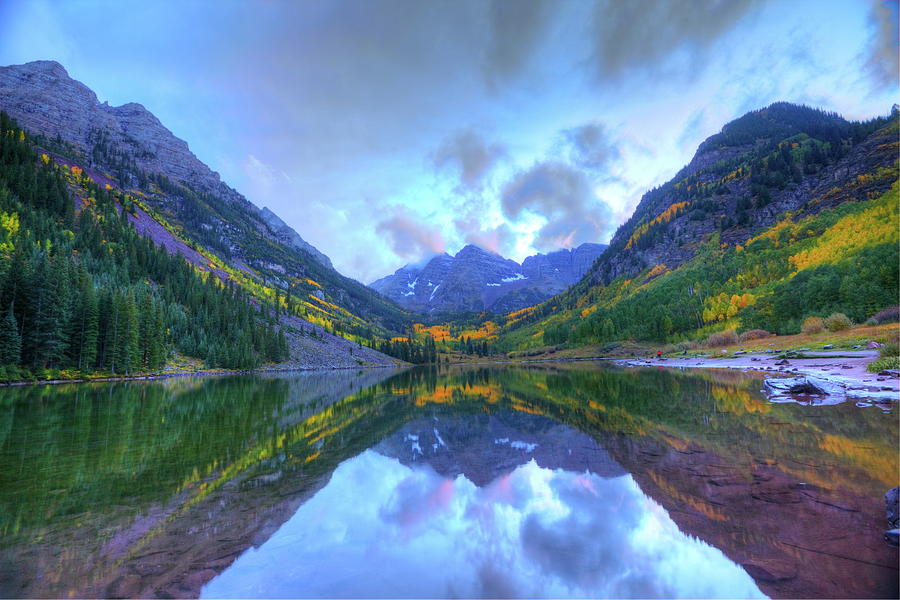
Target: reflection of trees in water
78 453
127 442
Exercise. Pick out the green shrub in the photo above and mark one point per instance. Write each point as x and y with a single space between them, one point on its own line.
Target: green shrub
887 362
812 325
889 349
837 322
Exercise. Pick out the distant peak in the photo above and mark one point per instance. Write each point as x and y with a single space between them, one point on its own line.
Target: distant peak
45 66
133 106
135 109
469 249
427 258
590 245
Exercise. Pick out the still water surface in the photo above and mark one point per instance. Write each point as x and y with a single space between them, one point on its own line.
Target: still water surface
573 480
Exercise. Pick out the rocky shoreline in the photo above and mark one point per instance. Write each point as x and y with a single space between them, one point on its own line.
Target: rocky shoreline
841 375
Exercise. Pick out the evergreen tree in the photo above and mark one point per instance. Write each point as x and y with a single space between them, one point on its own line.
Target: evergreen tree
129 337
10 342
86 326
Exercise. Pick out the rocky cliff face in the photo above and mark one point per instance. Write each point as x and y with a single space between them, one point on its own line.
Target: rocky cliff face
288 236
138 152
43 98
476 280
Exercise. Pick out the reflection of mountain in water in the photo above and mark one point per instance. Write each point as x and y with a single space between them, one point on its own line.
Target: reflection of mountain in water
151 489
482 447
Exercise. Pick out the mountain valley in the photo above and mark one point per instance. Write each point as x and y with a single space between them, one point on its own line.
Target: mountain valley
788 213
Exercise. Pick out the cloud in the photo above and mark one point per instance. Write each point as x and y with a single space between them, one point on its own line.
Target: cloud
469 155
590 147
409 239
641 33
499 240
884 46
516 29
347 96
407 532
563 196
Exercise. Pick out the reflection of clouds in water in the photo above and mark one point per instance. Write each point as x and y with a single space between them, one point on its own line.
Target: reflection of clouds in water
382 529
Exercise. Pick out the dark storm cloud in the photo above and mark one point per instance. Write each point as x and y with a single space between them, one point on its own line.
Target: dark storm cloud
638 33
562 194
883 63
590 146
469 155
408 238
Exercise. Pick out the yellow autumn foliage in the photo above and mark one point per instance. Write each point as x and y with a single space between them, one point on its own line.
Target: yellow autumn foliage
664 217
875 225
657 271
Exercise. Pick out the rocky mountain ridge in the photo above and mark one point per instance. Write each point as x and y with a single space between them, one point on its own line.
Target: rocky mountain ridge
476 280
42 97
770 161
129 149
127 141
288 236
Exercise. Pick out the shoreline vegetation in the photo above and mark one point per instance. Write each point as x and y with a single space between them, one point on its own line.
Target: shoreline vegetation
836 356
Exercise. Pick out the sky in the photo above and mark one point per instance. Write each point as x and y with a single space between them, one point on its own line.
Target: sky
531 533
386 130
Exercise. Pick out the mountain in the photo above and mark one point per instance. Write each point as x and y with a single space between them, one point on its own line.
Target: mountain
476 280
770 161
122 252
123 140
289 237
788 212
485 447
129 149
183 205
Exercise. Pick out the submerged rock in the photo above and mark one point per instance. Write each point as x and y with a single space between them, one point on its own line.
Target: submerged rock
892 537
892 509
811 389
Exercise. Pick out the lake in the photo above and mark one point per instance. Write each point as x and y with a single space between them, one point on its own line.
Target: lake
560 480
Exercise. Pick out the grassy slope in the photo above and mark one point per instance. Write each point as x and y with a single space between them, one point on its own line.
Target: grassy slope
765 268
